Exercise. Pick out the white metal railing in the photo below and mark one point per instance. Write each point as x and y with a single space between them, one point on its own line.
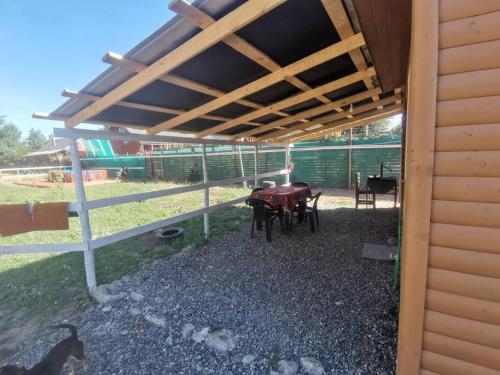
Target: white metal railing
82 206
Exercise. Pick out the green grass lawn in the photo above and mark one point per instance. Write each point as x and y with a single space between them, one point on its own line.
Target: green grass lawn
33 285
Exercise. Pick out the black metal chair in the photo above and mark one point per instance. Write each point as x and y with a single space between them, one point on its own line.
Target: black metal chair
257 189
307 212
300 184
363 190
264 212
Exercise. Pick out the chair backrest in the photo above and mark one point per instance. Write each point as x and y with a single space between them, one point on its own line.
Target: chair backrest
257 189
357 181
259 207
300 184
316 199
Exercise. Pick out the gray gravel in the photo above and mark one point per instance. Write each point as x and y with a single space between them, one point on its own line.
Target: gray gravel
243 306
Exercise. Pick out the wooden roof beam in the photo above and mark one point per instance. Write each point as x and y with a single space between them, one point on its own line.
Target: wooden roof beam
330 117
346 124
227 25
297 67
114 58
49 116
145 107
342 24
199 18
290 101
316 111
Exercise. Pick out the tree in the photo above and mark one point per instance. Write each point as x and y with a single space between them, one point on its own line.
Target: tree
12 149
35 140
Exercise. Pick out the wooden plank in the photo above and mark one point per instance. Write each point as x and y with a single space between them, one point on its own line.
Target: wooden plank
201 19
444 365
467 164
464 58
466 213
346 124
342 24
466 351
469 85
420 115
480 137
42 248
51 117
467 189
290 101
458 260
144 107
295 68
466 237
484 110
463 329
471 30
227 25
316 111
134 66
464 284
464 307
450 10
386 26
329 118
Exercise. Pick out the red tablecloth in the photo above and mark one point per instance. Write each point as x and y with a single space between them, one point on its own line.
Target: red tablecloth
284 196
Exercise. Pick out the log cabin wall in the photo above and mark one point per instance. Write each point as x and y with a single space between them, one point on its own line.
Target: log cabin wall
457 307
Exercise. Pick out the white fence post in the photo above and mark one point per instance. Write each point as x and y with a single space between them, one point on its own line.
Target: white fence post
287 160
88 253
242 166
206 220
256 163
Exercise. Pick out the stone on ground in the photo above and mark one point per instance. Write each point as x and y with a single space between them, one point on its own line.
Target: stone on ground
222 341
312 366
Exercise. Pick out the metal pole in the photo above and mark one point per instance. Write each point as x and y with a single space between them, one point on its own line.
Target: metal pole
206 222
88 253
256 165
287 160
349 171
242 167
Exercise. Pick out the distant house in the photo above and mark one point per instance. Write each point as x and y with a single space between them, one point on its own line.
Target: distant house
54 152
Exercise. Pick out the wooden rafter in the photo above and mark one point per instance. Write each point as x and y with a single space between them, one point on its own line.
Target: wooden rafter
330 117
290 101
340 20
48 116
227 25
295 68
199 18
134 66
145 107
316 111
347 124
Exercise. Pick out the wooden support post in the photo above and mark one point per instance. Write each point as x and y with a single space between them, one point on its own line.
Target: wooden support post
421 121
88 253
256 166
349 170
287 161
242 166
206 220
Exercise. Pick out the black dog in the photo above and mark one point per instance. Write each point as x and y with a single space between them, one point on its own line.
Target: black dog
69 350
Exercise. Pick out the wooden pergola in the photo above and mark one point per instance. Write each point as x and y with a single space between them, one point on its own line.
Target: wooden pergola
351 97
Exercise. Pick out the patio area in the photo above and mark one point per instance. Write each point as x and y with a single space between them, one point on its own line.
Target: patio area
238 305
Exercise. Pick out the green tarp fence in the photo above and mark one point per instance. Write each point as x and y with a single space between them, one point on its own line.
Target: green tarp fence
326 168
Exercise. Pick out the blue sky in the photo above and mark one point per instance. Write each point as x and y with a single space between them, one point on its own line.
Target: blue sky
49 45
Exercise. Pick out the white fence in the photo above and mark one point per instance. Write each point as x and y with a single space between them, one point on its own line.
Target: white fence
82 206
20 173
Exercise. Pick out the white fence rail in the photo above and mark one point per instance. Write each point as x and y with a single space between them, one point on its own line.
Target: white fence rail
82 206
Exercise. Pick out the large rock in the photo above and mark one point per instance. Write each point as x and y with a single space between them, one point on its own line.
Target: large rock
312 366
153 319
102 297
247 359
136 296
223 340
201 335
186 330
287 367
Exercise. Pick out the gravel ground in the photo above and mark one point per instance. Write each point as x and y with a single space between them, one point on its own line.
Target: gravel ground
305 302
